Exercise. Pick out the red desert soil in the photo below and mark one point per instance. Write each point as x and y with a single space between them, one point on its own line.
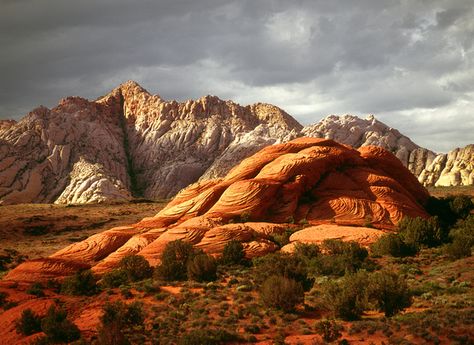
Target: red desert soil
308 180
38 230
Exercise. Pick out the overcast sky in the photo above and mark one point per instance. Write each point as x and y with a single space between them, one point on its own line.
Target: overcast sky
409 62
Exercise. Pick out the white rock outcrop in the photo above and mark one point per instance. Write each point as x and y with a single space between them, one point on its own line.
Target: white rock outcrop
130 143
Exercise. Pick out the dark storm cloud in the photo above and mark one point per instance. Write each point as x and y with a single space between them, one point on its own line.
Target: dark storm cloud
402 60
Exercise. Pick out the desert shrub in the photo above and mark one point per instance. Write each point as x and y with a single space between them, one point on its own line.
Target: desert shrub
117 322
281 292
81 283
208 337
29 323
136 267
419 232
462 239
58 328
347 297
392 244
202 267
389 291
449 209
329 330
461 206
340 257
233 253
459 248
3 298
289 266
283 238
174 260
114 278
10 259
306 251
35 289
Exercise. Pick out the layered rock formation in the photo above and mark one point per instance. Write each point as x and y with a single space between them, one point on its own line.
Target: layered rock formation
131 143
307 180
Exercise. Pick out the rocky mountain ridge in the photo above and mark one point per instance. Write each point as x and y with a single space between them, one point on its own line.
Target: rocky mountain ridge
131 143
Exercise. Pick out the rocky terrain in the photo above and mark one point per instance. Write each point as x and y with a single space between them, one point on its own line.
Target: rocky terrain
130 143
307 181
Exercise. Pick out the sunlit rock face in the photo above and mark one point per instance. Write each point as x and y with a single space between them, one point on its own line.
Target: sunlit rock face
316 182
127 143
130 143
456 168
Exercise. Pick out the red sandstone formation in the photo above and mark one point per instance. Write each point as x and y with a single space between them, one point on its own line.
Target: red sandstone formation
307 180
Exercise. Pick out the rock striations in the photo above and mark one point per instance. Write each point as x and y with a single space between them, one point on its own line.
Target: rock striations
311 181
131 143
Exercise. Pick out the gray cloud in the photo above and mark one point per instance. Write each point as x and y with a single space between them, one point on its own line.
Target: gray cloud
406 62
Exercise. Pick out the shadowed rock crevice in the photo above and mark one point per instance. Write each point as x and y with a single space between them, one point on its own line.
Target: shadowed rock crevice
135 190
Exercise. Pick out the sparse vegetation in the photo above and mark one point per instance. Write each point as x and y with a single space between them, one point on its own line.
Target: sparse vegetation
136 267
421 233
114 278
347 297
174 260
119 321
339 258
208 337
29 323
462 239
58 328
288 266
392 244
81 283
281 292
202 268
233 253
389 291
339 281
329 330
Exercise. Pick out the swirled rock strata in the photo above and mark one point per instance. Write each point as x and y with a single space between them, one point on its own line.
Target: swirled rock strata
305 181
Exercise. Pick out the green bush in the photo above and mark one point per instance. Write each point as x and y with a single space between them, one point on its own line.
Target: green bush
81 283
202 268
114 278
389 291
208 337
289 266
283 238
347 297
58 328
281 293
392 244
329 330
462 239
36 289
450 209
118 321
233 253
419 232
459 248
136 267
29 323
3 298
174 260
339 258
461 206
306 251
